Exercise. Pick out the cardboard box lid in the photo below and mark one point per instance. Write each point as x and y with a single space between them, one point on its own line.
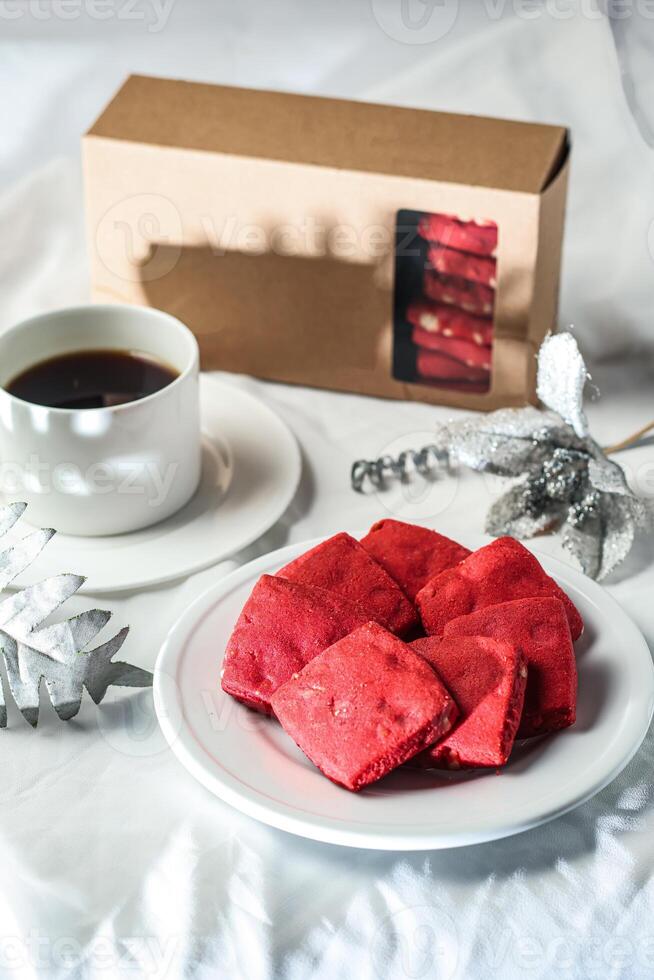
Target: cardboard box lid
335 133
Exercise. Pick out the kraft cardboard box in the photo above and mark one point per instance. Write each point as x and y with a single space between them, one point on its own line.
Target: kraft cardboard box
367 248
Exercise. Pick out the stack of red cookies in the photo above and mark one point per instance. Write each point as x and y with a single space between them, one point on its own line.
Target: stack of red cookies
452 324
406 647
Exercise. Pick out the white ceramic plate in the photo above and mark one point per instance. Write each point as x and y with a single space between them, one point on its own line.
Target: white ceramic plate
251 469
250 763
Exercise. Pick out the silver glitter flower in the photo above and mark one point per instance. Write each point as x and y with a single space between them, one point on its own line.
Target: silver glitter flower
565 481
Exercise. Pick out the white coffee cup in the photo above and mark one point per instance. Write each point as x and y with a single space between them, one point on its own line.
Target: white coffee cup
101 470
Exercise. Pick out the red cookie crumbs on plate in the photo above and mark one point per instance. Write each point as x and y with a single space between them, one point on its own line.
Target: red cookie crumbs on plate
539 628
364 706
487 679
282 626
411 554
498 572
341 565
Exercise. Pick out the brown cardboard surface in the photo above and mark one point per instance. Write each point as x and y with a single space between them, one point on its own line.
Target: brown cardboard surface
334 133
283 266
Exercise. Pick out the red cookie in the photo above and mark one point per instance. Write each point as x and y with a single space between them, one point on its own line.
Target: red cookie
452 262
479 237
433 364
498 572
487 679
465 351
364 706
281 628
473 297
410 554
539 628
467 387
342 566
447 320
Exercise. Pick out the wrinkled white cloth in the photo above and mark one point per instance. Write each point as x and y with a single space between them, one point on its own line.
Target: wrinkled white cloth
114 861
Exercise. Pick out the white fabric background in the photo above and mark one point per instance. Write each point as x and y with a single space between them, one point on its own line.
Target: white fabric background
113 861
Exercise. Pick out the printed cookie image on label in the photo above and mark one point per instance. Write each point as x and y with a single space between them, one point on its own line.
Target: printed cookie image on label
444 301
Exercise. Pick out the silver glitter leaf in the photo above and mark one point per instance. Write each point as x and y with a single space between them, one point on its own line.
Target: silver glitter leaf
508 515
53 655
23 611
618 532
601 542
585 544
72 635
15 560
9 516
562 376
607 476
523 423
509 441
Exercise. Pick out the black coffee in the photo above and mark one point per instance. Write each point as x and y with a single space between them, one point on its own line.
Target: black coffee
92 379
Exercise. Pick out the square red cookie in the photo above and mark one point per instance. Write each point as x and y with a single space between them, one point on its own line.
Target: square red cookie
465 351
364 706
498 572
432 364
451 384
479 237
539 628
473 297
449 321
341 565
487 679
411 554
282 626
452 262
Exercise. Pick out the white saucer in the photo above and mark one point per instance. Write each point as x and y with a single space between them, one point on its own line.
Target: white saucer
249 762
251 469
